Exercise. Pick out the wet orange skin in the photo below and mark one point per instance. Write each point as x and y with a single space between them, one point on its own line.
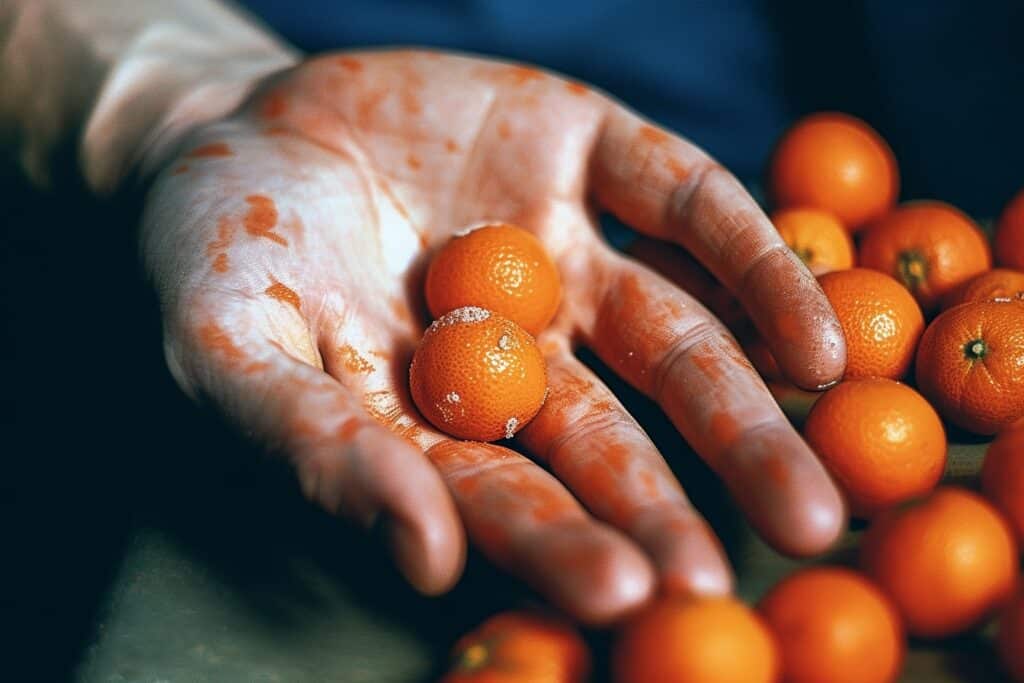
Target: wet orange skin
947 562
520 647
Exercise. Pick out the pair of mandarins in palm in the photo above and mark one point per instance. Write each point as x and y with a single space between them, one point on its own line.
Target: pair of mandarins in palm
477 373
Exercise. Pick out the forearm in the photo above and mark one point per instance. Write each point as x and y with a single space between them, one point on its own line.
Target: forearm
116 82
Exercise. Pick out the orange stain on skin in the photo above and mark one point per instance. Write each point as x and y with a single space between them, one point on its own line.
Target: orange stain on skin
349 427
261 219
724 429
275 131
601 475
414 162
576 88
284 294
350 64
353 361
678 171
411 103
649 483
253 368
275 105
400 311
521 75
181 169
707 363
776 471
386 408
654 135
504 130
214 149
366 107
215 339
220 263
451 145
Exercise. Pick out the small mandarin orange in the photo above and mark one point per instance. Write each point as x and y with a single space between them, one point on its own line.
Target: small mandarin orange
881 322
1002 477
520 647
817 237
1009 238
476 375
881 441
500 267
970 365
837 163
996 284
1010 639
834 625
695 640
931 247
947 562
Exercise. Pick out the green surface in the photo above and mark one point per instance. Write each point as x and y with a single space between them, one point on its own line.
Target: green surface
239 595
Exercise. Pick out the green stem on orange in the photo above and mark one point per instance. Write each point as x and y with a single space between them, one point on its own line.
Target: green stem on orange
913 268
976 349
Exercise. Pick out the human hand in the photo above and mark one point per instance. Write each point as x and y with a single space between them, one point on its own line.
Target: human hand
287 244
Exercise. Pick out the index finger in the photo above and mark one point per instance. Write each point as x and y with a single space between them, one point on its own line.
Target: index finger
667 188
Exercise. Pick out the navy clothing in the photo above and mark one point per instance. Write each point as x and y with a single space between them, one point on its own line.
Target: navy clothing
942 80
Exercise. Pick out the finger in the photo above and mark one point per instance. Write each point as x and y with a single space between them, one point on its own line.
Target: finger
527 523
596 449
667 345
668 189
345 461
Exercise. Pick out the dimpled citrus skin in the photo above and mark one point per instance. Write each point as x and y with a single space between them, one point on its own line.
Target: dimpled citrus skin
838 163
817 237
998 283
1002 477
1009 238
696 640
881 441
931 247
946 562
834 625
970 365
881 321
500 267
477 375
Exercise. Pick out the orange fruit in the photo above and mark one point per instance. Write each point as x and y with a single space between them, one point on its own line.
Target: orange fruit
834 625
837 163
970 365
994 285
688 274
880 440
881 322
1009 239
477 375
500 267
695 640
520 647
1002 477
817 237
930 247
1010 640
946 562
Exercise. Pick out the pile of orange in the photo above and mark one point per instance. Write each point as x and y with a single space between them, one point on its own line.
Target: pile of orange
935 340
477 374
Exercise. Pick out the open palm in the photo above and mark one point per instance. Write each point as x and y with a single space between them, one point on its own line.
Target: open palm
288 241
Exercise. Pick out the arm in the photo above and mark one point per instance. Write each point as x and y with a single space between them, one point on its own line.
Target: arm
112 84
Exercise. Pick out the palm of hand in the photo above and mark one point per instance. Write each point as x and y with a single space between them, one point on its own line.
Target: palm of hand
288 244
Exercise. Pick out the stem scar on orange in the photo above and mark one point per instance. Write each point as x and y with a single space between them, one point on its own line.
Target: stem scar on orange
834 162
834 625
500 267
931 247
881 322
880 439
520 647
693 640
970 365
478 376
947 562
817 237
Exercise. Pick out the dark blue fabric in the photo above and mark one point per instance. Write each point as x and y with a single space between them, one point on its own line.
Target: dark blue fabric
943 80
